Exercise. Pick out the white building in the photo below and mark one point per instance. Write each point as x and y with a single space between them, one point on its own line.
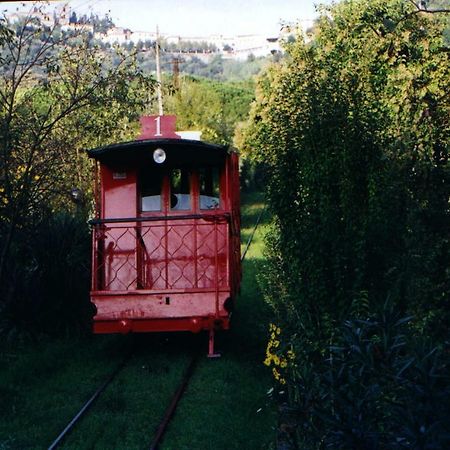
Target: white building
253 44
78 27
142 36
119 35
235 47
115 35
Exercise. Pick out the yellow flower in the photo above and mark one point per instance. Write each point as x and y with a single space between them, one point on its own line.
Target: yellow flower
290 354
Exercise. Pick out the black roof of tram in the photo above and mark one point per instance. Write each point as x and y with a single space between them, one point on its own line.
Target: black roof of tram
178 151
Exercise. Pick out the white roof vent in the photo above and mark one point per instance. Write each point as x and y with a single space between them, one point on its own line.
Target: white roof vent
193 135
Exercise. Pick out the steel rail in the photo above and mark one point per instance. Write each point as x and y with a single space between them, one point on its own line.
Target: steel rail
87 405
170 411
250 239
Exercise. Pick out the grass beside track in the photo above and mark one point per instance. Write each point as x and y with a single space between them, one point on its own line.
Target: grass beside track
226 404
43 384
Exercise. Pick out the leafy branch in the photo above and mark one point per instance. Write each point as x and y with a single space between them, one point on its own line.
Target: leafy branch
55 96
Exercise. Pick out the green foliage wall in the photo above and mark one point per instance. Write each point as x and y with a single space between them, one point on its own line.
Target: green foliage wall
353 129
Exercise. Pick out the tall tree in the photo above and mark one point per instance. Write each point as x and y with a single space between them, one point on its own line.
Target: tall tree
212 107
57 97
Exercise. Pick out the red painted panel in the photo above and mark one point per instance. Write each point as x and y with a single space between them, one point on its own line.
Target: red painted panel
158 305
119 192
194 324
157 127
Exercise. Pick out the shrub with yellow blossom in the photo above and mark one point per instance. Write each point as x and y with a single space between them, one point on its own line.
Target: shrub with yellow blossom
276 356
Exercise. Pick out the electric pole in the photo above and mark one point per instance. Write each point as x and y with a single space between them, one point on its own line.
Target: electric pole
158 75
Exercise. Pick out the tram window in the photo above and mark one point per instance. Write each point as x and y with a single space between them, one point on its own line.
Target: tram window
151 186
180 190
209 188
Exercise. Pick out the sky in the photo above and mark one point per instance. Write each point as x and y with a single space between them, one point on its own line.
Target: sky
196 17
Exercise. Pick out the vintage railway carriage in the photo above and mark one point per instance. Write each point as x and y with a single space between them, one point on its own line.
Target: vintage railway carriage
166 246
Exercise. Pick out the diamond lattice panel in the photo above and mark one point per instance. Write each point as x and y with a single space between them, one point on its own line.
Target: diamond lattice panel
162 256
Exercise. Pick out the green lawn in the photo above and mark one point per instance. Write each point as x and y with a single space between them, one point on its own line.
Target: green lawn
43 384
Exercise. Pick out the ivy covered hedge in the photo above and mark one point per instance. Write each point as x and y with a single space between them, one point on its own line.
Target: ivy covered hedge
353 131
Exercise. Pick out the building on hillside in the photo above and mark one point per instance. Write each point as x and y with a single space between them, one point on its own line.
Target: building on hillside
234 47
254 45
119 35
171 39
44 18
115 35
78 27
238 47
59 16
142 36
62 14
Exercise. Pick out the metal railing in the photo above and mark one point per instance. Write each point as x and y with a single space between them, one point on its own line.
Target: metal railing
183 253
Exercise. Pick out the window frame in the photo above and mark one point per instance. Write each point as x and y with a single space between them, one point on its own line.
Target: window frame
194 180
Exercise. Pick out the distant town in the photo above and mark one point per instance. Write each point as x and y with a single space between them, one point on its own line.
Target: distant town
238 47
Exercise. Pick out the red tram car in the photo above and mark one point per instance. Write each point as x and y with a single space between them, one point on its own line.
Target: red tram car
166 238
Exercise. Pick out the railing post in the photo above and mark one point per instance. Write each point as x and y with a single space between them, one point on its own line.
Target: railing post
94 260
216 258
166 253
195 231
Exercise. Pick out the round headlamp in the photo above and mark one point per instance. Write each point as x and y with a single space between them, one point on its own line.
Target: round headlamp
159 155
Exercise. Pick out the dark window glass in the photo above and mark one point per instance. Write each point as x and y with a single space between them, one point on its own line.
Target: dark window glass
180 190
209 188
150 183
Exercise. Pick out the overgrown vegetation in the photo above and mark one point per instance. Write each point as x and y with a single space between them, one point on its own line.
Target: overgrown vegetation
210 106
353 129
56 99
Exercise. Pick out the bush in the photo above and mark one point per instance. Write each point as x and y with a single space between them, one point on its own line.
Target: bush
50 272
379 387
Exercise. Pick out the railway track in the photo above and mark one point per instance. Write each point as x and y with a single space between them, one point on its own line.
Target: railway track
170 411
84 410
64 433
